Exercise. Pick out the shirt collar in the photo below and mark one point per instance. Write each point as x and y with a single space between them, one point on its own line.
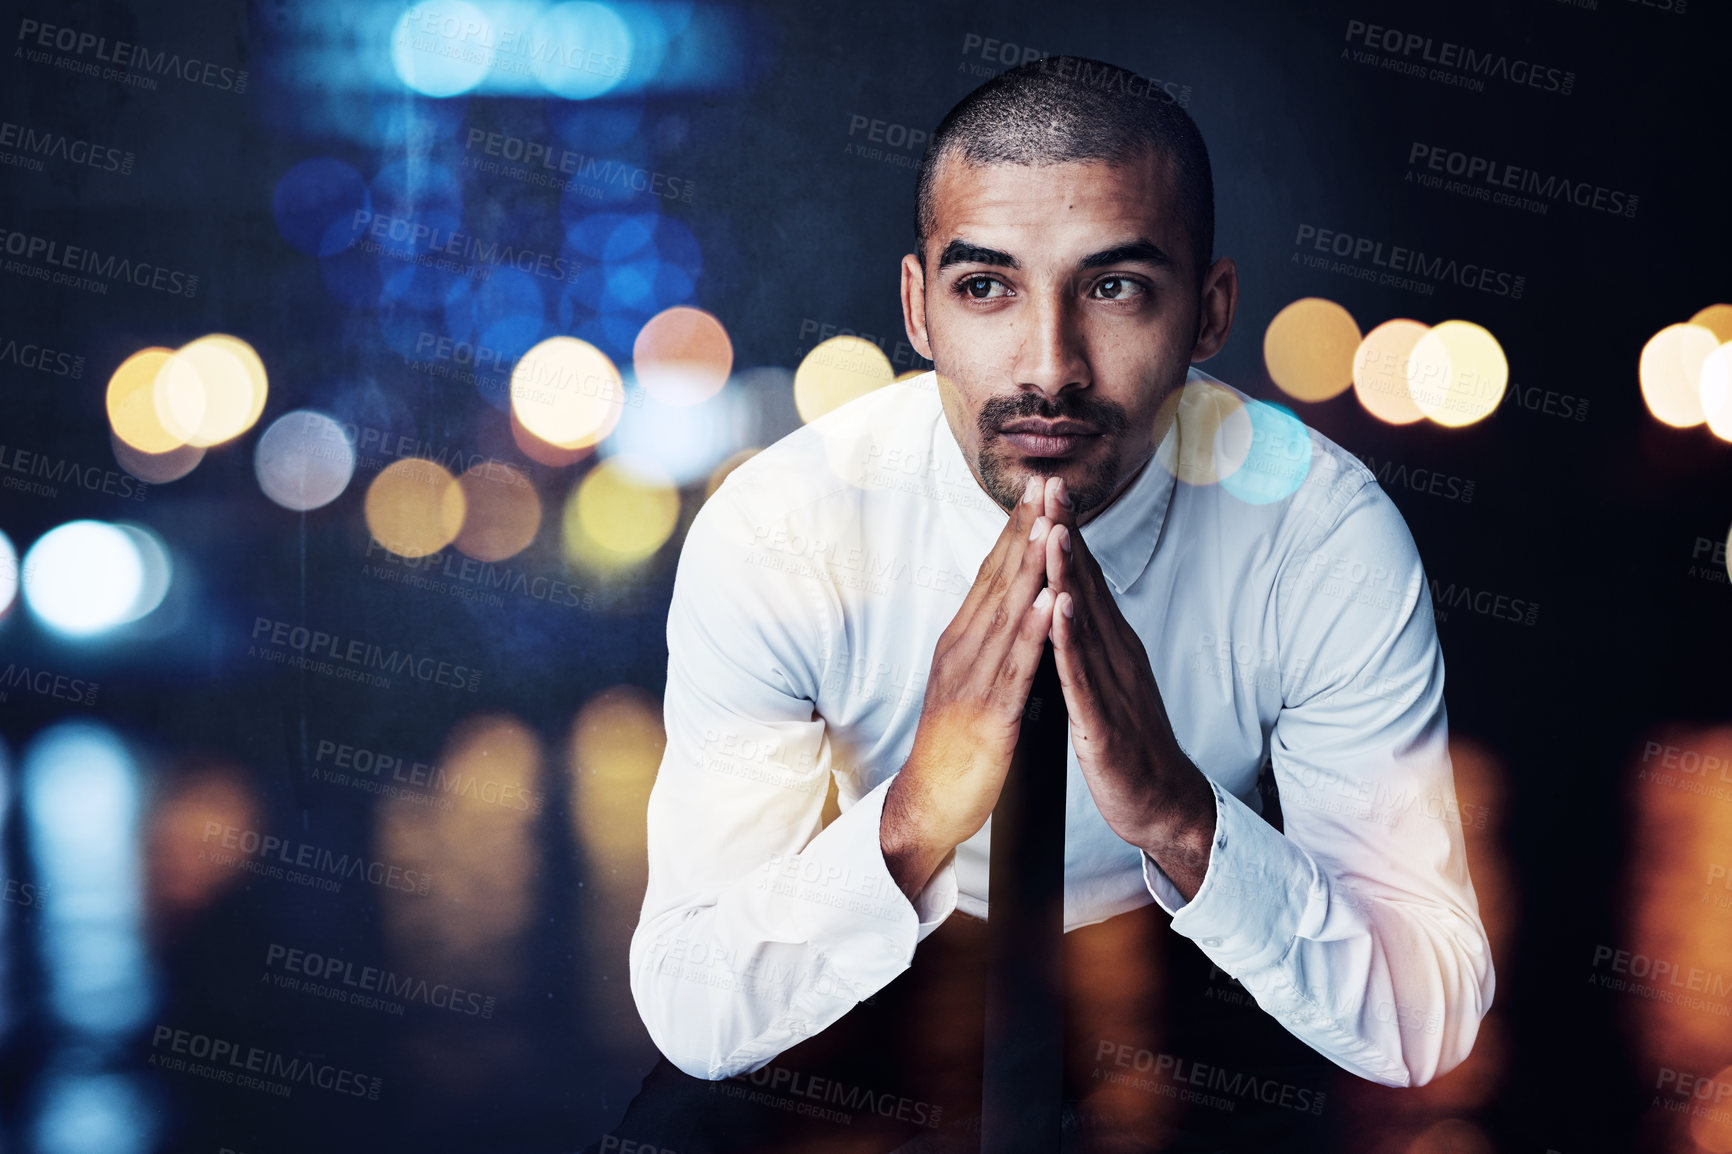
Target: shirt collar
1122 537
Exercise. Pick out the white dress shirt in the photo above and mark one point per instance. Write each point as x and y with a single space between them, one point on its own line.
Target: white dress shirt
1286 617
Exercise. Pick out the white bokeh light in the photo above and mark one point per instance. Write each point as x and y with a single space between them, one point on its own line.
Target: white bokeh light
8 574
84 577
304 460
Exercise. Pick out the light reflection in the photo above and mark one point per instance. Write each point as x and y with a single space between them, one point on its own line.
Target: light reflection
685 441
502 514
156 468
1279 460
1213 435
683 356
95 1114
210 390
1308 349
567 393
414 507
304 460
155 566
1671 371
439 48
619 515
131 400
84 577
1380 368
589 49
1457 373
837 371
1716 391
82 806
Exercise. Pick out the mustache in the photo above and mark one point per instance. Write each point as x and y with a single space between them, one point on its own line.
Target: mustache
1108 416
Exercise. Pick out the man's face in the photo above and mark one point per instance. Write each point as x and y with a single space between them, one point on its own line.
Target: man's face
1060 308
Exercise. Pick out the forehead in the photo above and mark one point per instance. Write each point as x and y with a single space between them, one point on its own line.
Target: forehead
1057 209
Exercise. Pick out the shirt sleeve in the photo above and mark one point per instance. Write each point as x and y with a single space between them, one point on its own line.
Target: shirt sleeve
760 926
1356 926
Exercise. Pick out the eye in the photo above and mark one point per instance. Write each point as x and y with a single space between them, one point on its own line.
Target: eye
1117 288
980 288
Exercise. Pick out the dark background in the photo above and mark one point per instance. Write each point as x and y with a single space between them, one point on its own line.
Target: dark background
1600 519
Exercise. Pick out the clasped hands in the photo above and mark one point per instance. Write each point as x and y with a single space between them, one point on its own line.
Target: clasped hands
1040 581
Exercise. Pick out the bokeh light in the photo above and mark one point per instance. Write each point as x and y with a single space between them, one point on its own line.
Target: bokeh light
183 876
157 468
1213 433
1309 349
684 441
91 1113
210 390
620 514
1279 460
592 49
435 62
154 565
567 393
1380 368
304 460
1717 319
316 203
132 411
8 574
1671 373
721 471
683 356
414 507
1712 1128
1715 388
837 371
1457 373
502 512
83 577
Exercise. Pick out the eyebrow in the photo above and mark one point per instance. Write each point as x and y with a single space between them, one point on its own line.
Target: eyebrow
963 252
1137 252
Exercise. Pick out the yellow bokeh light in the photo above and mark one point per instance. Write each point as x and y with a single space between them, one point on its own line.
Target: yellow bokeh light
1671 373
721 471
1213 437
1309 348
1716 391
618 516
616 747
1712 1129
910 374
1717 319
1457 373
683 356
837 371
1380 371
211 390
157 468
567 392
1451 1136
501 512
132 403
414 507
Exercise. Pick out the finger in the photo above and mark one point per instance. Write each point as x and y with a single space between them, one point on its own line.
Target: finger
1012 536
1000 613
1016 672
1058 562
1076 672
1057 502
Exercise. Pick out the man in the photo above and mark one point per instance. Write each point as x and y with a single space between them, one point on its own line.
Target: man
1226 593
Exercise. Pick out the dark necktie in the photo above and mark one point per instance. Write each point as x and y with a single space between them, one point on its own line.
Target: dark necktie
1024 1068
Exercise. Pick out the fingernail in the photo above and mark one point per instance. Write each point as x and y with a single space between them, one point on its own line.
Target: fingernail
1035 532
1029 490
1044 598
1063 494
1064 541
1068 606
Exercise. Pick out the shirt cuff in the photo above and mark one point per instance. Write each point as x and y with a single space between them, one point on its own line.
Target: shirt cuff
837 896
1260 891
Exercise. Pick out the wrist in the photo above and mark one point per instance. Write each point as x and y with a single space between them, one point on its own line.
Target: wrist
912 852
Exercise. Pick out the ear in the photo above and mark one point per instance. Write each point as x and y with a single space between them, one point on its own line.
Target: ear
914 305
1220 300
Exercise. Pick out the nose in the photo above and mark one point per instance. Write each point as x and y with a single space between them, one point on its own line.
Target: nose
1052 354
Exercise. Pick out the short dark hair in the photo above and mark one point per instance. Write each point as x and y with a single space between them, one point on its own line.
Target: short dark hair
1059 109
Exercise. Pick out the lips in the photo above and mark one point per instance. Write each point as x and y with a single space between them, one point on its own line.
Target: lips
1048 438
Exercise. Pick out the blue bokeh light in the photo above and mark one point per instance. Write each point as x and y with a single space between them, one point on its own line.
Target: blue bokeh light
581 49
316 206
1279 460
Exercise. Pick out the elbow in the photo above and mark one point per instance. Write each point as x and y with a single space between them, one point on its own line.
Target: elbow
1440 1038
